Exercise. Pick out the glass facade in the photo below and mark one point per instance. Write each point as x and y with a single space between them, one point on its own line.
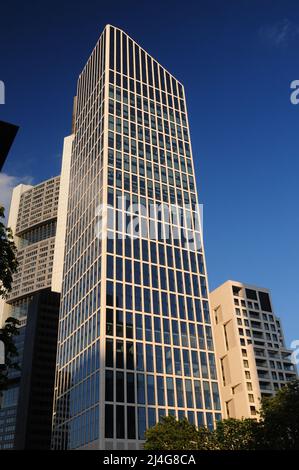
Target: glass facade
9 396
135 335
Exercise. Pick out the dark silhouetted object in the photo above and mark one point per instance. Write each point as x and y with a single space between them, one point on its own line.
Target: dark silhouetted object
8 133
34 413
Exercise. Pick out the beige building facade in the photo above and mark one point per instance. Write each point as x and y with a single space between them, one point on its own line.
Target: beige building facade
250 348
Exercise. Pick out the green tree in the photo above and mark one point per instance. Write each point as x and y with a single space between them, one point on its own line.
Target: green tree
8 259
237 434
7 336
277 429
171 434
8 266
280 418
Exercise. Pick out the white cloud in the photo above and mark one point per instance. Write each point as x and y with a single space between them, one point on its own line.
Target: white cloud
7 183
280 33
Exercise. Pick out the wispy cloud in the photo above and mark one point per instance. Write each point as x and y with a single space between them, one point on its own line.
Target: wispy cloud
7 183
280 33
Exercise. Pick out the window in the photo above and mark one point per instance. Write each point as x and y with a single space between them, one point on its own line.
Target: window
236 290
138 326
140 360
198 394
160 391
170 391
119 386
109 386
207 395
130 355
109 322
159 359
141 423
204 365
180 393
109 353
120 422
150 390
151 417
109 421
200 420
129 325
119 354
109 294
251 294
212 365
186 361
216 398
148 328
265 301
149 358
140 389
189 394
168 360
119 323
130 388
131 426
195 364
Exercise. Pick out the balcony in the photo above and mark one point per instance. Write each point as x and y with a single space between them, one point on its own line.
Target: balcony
254 316
285 352
264 386
261 363
259 353
288 367
290 377
257 335
256 325
264 375
273 355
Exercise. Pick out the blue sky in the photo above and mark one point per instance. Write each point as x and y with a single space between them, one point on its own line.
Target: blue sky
236 59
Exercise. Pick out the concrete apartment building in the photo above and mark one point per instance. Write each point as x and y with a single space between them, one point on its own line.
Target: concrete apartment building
135 339
37 218
250 348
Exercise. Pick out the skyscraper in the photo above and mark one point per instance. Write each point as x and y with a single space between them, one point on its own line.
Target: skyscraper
135 338
37 218
250 348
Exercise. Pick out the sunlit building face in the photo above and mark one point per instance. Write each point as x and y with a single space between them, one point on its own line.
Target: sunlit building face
135 335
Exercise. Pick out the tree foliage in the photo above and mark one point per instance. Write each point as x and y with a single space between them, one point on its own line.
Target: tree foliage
280 418
8 266
170 434
7 336
237 434
277 429
8 259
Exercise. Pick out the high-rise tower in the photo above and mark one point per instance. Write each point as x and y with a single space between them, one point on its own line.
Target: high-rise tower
135 337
